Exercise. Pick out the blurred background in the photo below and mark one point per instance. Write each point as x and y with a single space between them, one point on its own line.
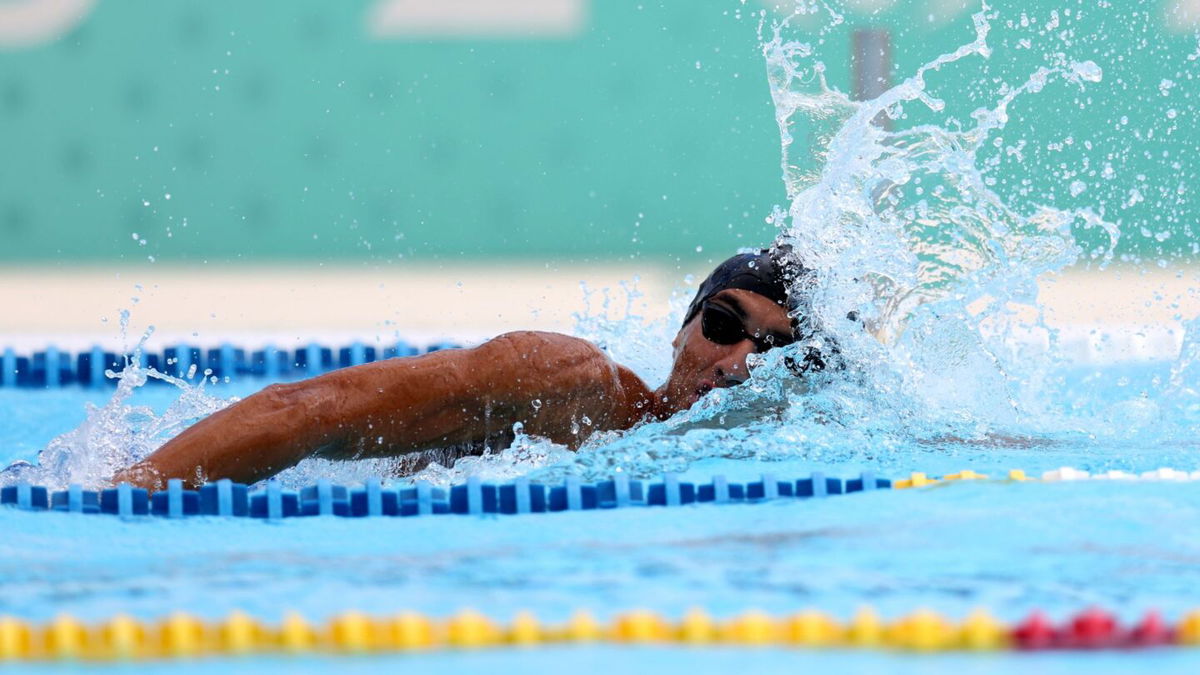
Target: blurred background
455 168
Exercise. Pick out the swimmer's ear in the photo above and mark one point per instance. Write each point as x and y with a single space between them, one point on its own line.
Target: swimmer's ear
820 353
812 361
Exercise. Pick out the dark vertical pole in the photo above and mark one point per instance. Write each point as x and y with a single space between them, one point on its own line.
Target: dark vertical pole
872 60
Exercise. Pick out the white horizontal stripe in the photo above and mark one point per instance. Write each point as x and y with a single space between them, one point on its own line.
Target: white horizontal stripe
477 18
31 22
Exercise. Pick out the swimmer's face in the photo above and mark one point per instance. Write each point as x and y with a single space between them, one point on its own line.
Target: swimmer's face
711 349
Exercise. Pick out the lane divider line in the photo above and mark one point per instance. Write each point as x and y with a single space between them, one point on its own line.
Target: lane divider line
270 501
52 368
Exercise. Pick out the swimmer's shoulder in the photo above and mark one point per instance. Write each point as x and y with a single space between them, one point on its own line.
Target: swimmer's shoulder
543 342
588 368
539 347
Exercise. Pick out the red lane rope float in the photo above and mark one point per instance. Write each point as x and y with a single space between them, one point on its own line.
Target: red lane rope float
179 635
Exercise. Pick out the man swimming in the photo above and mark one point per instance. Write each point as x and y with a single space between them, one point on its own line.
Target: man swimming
556 386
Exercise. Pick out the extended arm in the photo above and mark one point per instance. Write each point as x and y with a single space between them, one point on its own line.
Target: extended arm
559 387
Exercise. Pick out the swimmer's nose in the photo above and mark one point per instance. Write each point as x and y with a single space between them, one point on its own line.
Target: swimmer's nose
729 379
731 370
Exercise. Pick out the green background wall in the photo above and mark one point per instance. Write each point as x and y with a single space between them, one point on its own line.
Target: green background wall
281 130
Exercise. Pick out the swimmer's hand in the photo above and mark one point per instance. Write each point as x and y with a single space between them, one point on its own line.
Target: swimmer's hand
559 387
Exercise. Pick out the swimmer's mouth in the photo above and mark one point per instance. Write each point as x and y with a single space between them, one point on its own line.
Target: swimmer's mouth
703 389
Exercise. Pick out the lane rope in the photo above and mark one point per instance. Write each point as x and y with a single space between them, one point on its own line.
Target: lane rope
53 368
180 635
271 501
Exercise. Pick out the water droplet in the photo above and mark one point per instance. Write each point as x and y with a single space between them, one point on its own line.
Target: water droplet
1087 71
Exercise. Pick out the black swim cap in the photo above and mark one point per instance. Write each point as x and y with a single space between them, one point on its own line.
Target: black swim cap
770 273
767 272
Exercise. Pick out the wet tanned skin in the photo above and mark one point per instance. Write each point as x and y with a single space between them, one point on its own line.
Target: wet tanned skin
559 387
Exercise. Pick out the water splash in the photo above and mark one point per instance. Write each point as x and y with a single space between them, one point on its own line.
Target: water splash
904 229
611 320
120 432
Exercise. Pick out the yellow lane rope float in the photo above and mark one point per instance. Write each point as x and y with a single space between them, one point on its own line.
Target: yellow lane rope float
180 635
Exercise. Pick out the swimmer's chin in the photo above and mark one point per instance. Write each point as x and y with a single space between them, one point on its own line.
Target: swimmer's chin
683 399
701 391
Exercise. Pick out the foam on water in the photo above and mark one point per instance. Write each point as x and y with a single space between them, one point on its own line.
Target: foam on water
904 225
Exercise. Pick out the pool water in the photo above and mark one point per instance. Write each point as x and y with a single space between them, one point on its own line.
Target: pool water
1011 548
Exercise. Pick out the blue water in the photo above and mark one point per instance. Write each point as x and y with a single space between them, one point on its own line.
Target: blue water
605 660
1007 547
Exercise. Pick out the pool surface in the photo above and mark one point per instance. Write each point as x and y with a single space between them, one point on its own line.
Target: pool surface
1007 547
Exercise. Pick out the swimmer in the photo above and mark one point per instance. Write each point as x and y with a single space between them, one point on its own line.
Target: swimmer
555 386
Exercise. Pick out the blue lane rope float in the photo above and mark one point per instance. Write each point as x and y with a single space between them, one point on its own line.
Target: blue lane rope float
53 368
270 501
228 499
